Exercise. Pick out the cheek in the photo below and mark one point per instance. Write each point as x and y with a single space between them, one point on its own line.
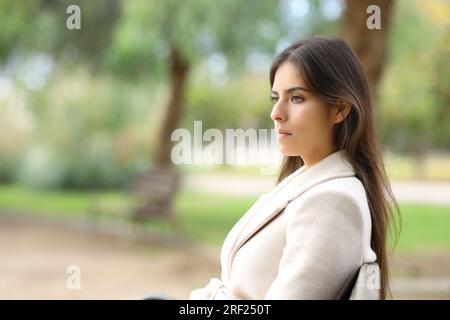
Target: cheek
309 119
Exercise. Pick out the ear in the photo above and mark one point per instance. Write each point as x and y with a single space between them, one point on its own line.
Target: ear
340 112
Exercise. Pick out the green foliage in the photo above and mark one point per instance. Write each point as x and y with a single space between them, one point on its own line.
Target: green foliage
40 26
13 18
239 103
404 96
441 91
97 130
412 112
88 133
147 30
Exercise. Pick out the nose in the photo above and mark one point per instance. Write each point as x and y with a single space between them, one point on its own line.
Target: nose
277 113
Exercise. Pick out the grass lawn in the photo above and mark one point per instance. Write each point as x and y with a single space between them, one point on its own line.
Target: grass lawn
425 227
208 218
61 202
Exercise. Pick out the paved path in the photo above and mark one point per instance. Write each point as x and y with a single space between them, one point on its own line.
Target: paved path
35 256
432 192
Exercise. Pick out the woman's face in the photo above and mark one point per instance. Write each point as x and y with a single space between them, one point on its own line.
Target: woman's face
304 124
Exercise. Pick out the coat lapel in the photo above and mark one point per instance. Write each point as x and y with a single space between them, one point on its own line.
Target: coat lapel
331 167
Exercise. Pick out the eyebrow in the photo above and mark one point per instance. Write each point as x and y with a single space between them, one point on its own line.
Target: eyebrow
292 89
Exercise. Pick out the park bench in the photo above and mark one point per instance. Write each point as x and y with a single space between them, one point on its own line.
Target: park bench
154 191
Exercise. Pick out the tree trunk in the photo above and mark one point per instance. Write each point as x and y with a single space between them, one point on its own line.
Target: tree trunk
157 187
369 44
179 68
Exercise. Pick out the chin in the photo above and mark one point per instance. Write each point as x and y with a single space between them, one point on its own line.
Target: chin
289 153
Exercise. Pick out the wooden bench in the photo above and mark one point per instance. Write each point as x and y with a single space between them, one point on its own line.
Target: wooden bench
155 191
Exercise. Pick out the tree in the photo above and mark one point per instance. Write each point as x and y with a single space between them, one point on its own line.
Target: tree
369 44
179 35
40 26
169 37
440 91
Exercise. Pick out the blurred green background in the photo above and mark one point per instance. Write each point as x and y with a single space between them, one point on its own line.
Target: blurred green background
83 113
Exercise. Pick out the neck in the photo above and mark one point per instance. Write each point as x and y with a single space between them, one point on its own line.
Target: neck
315 157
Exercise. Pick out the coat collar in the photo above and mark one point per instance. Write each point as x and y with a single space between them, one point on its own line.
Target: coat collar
333 166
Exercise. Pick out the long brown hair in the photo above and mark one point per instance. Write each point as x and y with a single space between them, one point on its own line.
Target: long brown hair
333 72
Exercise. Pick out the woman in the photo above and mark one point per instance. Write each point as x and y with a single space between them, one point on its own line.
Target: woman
329 213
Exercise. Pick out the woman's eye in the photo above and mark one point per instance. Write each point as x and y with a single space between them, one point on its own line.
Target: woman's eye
273 99
297 99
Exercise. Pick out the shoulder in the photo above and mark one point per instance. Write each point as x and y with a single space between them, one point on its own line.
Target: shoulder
347 189
337 208
336 199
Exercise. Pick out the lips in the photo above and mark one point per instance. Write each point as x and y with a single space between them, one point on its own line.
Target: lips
283 132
